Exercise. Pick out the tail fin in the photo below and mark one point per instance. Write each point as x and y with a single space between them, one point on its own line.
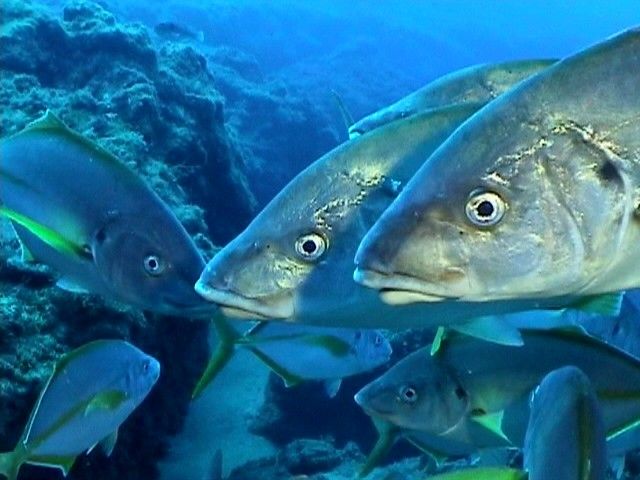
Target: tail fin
346 116
227 338
9 465
387 434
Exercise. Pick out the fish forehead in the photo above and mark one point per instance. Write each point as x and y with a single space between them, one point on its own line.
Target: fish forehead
336 185
85 372
539 106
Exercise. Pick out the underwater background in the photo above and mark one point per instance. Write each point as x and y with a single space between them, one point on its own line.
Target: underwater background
217 105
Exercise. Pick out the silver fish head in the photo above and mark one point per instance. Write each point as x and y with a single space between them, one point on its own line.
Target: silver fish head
299 247
372 348
150 262
528 198
417 393
142 375
256 275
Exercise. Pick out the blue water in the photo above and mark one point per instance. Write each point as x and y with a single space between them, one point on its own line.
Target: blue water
235 101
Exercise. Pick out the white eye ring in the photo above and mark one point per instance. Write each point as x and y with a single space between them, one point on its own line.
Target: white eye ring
408 394
153 265
485 208
311 246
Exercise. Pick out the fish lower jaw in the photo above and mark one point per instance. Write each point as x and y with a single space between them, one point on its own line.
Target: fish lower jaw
238 306
397 289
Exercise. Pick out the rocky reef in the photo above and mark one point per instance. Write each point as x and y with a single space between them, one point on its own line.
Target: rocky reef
156 109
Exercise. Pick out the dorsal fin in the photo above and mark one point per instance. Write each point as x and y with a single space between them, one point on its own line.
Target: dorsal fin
49 121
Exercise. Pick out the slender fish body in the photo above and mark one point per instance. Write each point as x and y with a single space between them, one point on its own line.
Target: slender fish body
78 209
475 84
299 353
90 393
565 437
477 393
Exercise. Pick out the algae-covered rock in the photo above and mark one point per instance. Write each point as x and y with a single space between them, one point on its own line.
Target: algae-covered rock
149 107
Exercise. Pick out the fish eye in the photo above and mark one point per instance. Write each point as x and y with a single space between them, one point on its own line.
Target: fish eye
408 394
145 366
378 340
485 208
153 265
311 246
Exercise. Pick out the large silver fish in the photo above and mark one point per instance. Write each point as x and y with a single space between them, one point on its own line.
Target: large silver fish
565 437
78 209
536 195
90 393
475 395
478 83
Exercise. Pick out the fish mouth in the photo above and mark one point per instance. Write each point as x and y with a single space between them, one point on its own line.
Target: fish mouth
236 305
189 309
400 289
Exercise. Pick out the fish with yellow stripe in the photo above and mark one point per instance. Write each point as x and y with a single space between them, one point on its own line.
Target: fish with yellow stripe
90 393
78 209
468 395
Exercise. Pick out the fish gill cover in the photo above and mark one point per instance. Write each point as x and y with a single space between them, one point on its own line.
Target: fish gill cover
217 106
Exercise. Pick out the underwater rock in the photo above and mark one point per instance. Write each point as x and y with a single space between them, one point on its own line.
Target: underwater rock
149 107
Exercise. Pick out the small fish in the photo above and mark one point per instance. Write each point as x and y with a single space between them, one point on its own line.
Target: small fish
300 352
90 393
78 209
475 84
476 394
565 437
534 196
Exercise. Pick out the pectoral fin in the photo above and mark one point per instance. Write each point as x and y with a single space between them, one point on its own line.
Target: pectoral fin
332 387
108 443
492 422
437 340
47 235
109 400
70 286
608 304
491 329
289 378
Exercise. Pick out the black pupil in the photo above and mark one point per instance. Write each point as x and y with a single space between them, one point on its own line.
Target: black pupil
409 393
485 208
152 263
309 247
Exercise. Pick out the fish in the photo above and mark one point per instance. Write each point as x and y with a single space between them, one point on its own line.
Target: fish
294 262
484 473
298 353
565 436
91 392
78 209
471 395
534 196
474 84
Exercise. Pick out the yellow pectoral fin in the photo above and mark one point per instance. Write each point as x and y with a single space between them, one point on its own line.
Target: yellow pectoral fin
492 422
109 400
49 236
